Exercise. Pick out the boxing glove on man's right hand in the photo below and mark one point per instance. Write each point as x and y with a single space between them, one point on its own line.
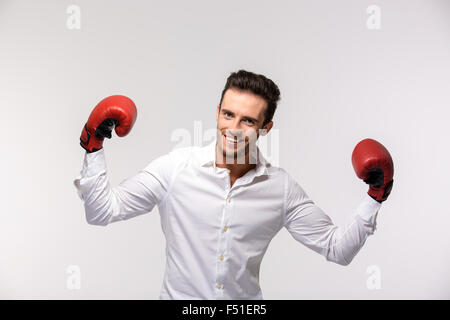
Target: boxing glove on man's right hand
117 112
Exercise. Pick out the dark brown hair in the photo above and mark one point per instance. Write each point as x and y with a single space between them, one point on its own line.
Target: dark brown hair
257 84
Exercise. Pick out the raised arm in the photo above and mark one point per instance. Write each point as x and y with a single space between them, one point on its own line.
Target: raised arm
308 224
134 196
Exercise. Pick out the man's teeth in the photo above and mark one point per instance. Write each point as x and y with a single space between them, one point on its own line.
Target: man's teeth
232 139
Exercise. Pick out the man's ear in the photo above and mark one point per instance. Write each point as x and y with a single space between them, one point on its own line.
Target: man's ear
265 130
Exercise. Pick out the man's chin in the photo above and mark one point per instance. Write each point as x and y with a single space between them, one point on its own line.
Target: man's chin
233 153
240 148
236 156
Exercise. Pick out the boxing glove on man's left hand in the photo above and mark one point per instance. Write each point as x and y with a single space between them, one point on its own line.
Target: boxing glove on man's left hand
117 112
373 164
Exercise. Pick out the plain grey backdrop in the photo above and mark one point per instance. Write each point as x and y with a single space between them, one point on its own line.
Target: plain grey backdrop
340 82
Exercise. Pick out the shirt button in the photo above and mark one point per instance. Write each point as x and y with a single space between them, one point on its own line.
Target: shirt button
221 258
219 286
229 200
225 228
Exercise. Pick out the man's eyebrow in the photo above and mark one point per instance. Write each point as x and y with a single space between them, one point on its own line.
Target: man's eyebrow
245 117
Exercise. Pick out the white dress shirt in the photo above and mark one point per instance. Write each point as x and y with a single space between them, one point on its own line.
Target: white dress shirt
216 235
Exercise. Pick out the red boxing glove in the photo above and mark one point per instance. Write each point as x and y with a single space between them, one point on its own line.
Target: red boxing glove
114 111
373 164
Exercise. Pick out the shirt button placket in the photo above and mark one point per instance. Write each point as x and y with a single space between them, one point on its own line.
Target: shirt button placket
221 267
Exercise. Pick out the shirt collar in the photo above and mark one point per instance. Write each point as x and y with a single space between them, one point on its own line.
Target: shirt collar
208 158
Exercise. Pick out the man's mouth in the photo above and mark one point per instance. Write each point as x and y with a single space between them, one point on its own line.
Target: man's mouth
232 140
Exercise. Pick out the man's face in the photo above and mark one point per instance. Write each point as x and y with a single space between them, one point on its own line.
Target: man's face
238 122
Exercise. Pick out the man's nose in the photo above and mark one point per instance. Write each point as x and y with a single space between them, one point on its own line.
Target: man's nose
235 131
235 125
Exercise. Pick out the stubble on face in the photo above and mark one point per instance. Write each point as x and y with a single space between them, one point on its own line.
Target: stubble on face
244 151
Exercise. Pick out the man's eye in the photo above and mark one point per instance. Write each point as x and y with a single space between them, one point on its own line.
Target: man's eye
227 114
249 121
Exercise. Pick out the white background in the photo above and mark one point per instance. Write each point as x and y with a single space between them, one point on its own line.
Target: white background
340 82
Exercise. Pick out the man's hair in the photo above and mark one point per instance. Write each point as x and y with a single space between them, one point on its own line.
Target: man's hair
257 84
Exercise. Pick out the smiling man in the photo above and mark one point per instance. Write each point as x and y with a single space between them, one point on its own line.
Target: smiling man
242 115
222 204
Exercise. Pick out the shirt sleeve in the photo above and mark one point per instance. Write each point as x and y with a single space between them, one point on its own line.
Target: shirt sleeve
134 196
309 225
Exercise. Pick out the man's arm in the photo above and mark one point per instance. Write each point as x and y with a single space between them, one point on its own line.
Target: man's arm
134 196
309 225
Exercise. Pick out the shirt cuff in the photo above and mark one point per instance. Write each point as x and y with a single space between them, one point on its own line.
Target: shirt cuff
93 164
368 210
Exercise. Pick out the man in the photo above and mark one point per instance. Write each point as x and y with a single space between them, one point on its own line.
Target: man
221 205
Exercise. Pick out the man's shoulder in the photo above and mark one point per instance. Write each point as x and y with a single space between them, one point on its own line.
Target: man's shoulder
169 159
185 155
276 171
281 173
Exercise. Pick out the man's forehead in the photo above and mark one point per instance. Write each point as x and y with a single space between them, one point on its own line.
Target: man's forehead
244 102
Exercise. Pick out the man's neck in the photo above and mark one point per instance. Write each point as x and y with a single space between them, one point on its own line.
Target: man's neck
236 168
